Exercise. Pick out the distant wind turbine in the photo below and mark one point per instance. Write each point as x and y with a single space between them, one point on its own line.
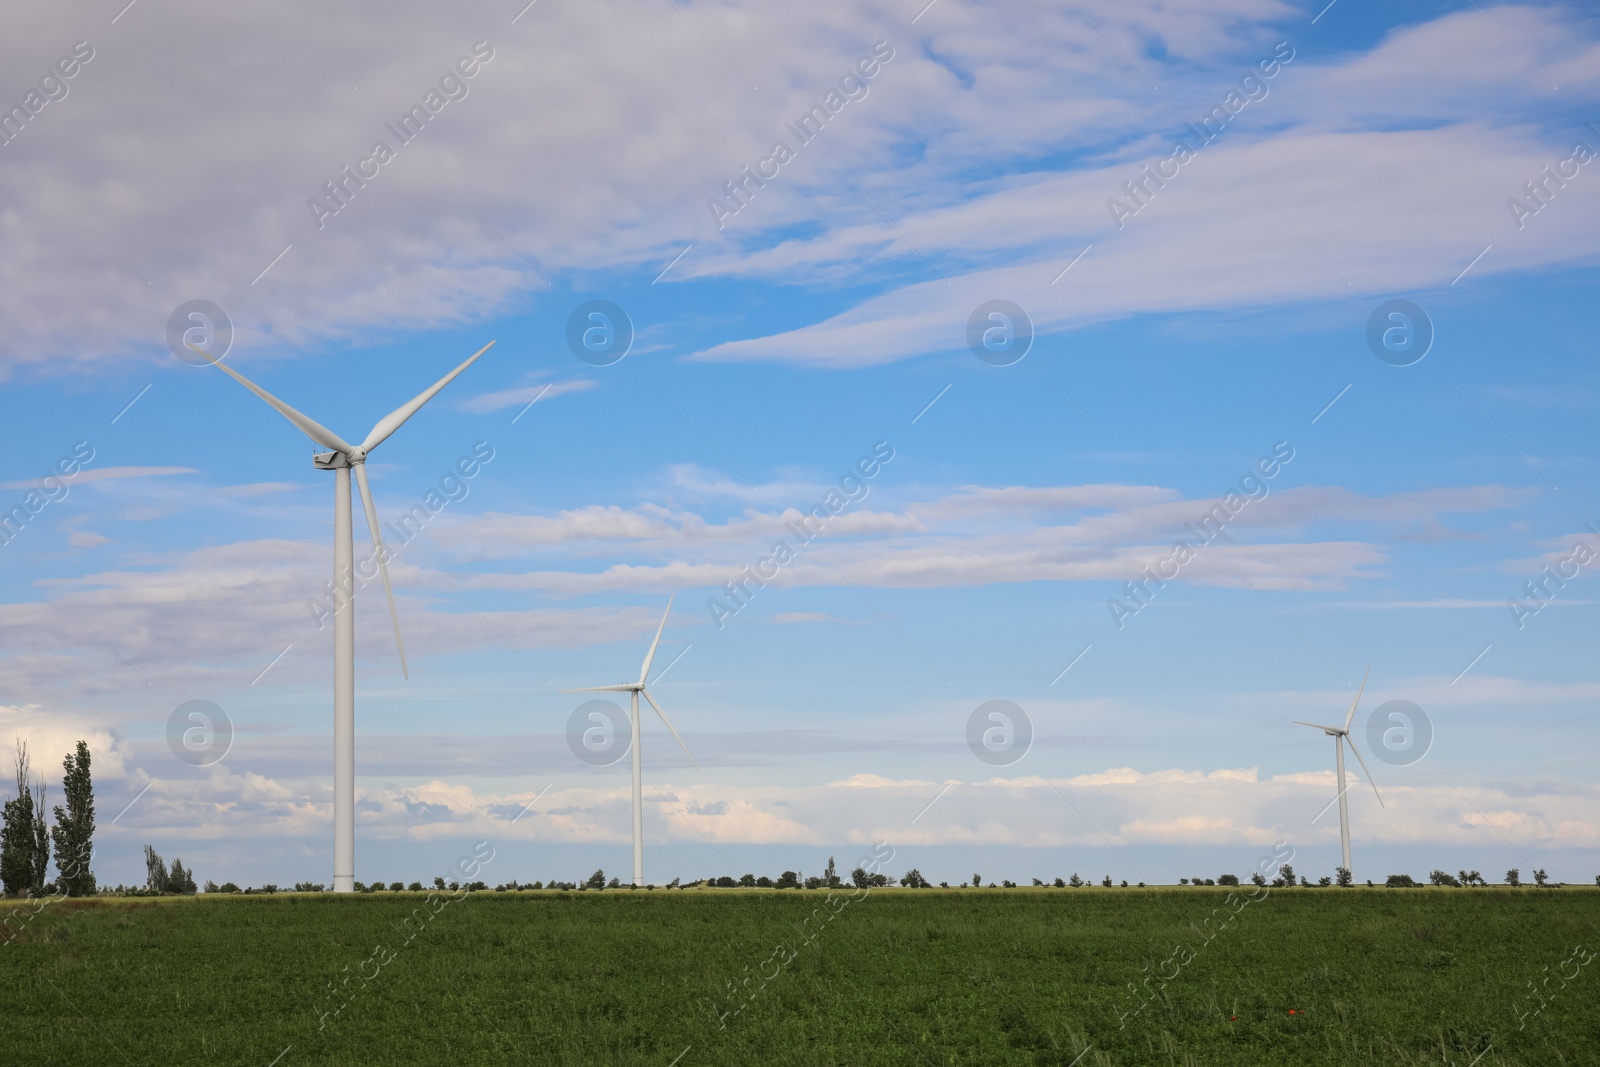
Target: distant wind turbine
1341 737
342 460
638 688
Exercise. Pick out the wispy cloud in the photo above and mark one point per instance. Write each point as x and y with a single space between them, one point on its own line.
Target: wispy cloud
106 474
523 394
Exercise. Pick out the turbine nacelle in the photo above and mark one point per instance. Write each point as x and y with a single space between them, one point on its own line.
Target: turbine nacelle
330 461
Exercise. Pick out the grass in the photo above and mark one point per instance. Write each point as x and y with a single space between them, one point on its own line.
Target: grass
988 976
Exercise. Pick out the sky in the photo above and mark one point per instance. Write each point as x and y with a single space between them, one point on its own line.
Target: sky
1166 370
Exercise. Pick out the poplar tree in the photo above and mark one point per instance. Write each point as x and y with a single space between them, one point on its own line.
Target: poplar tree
75 826
23 833
155 871
39 854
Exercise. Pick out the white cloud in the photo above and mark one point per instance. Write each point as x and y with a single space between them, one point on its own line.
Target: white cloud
106 474
524 394
1173 807
50 736
1395 162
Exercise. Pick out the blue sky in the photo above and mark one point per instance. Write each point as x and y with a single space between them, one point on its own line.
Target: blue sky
1226 317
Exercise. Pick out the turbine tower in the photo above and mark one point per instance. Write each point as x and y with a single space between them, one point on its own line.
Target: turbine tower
1341 737
638 688
342 459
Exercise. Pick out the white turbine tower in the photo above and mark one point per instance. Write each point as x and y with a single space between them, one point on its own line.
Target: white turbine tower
1341 737
637 688
344 458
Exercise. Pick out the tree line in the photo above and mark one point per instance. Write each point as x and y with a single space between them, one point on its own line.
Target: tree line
26 838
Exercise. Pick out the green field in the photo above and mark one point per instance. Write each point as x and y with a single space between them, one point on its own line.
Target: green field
977 976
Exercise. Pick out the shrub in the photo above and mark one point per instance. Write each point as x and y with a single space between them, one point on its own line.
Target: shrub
1438 877
724 883
1325 881
787 880
1227 879
1183 881
1124 883
1286 872
1539 878
1106 881
227 887
1342 876
415 887
1400 881
299 887
1075 881
1513 877
748 881
1258 878
914 880
1061 883
764 882
1038 881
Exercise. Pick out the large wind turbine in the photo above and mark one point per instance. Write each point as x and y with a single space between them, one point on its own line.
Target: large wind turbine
344 458
637 688
1341 737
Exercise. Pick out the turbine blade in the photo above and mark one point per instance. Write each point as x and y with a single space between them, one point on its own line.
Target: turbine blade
396 418
381 552
602 689
1317 725
1357 700
1366 772
309 426
649 657
668 721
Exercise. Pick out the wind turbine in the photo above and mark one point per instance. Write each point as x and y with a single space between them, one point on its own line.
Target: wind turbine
344 458
638 688
1341 737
